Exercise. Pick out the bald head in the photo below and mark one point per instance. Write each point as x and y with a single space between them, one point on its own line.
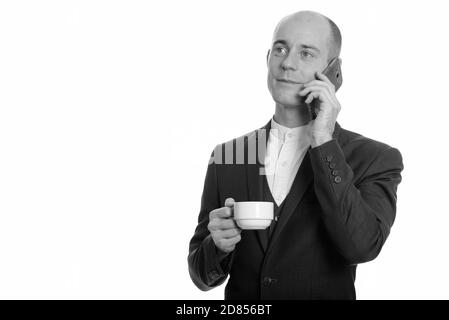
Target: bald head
303 44
315 20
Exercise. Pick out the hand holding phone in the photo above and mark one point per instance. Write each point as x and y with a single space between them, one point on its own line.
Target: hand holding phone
333 73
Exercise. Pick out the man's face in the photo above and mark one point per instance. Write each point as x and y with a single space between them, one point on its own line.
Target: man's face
300 48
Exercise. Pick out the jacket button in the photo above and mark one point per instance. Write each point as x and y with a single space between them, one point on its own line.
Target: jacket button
267 281
337 179
213 274
332 165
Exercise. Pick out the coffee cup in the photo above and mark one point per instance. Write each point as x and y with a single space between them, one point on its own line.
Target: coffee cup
253 215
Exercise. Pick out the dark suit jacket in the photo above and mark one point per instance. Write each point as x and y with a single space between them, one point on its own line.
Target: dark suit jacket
340 212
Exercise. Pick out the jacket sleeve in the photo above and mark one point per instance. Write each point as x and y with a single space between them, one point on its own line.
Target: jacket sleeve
358 217
208 266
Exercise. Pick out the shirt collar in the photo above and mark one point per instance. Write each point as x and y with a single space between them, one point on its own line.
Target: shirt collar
286 134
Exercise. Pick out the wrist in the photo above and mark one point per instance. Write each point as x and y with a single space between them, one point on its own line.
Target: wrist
221 255
320 139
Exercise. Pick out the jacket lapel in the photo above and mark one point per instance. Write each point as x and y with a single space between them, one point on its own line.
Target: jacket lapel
301 183
255 148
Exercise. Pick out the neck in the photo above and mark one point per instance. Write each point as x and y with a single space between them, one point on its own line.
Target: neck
292 116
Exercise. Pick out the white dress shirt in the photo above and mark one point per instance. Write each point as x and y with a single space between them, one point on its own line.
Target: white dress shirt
286 148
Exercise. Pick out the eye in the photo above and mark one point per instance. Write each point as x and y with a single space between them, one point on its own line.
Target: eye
280 51
307 54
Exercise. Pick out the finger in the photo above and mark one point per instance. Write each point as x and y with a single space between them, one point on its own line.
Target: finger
317 91
324 78
310 98
315 95
231 241
223 212
305 91
315 83
221 224
229 202
329 86
230 233
225 224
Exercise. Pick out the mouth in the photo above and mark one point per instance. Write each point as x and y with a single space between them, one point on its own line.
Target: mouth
288 81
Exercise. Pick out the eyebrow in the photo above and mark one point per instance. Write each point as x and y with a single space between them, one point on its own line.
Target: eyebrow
304 46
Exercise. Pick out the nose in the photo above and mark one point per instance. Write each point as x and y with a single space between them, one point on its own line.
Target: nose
289 62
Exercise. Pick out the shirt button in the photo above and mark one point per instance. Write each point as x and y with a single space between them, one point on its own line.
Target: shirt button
284 163
337 179
329 158
334 172
289 135
332 165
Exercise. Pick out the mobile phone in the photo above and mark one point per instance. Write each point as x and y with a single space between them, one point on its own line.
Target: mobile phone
333 72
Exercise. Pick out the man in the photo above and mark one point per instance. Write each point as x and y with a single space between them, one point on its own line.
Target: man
334 191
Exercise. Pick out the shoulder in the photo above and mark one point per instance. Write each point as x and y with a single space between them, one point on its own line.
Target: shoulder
356 145
355 141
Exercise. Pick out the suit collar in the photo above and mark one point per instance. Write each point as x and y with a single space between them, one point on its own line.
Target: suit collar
267 128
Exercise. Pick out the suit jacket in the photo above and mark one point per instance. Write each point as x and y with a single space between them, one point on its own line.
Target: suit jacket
339 212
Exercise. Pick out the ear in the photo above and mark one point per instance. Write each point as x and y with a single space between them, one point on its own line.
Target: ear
268 55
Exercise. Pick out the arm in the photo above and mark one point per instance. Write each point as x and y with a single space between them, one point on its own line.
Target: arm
357 218
208 265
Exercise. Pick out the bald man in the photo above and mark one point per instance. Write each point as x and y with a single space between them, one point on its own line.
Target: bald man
333 190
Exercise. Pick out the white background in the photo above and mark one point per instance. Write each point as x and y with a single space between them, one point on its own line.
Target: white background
109 111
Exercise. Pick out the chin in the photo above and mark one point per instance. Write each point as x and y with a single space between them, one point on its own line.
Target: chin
288 100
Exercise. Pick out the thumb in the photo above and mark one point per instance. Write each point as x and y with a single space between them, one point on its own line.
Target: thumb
229 202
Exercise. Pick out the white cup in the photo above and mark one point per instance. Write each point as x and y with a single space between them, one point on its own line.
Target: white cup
253 215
